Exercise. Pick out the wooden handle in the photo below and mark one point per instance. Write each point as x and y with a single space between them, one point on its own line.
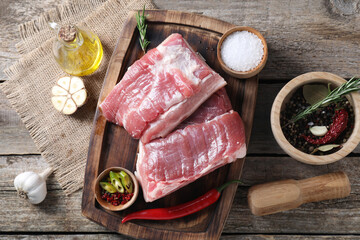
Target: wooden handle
283 195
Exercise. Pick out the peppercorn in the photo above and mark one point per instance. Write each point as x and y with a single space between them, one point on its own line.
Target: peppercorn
293 132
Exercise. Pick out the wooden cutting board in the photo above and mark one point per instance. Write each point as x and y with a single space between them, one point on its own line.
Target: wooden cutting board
111 145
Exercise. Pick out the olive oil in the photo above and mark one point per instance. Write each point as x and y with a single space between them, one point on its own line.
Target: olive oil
78 51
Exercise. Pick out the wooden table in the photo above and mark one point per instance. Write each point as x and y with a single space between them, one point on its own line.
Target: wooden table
302 36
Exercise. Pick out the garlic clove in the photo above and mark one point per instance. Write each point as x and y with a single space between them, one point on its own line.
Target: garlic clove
59 102
76 84
64 82
80 97
58 91
318 131
70 107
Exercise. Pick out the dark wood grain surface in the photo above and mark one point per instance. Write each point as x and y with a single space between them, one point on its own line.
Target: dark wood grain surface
302 36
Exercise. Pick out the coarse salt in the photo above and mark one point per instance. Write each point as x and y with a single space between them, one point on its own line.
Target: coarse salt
242 51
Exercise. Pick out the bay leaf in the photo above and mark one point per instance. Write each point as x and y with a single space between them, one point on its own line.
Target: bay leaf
314 93
328 147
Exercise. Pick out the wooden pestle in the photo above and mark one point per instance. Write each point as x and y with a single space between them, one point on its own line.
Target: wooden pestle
283 195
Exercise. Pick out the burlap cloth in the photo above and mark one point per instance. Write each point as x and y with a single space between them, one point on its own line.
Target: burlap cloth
63 140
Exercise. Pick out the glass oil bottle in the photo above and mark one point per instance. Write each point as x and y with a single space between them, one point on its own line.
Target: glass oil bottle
77 50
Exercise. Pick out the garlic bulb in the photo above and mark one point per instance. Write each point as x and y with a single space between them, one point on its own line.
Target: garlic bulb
68 94
32 186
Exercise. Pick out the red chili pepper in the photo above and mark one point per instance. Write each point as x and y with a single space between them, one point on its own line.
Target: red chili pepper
337 127
181 210
117 198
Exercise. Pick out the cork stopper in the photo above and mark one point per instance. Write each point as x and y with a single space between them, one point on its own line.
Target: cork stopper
67 33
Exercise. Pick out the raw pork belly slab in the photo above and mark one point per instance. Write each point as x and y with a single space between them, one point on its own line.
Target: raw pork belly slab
218 104
167 164
160 90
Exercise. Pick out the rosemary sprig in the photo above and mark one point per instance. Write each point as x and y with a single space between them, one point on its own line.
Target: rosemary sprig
334 96
140 19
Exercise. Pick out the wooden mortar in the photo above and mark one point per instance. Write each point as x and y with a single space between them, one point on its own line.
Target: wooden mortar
283 97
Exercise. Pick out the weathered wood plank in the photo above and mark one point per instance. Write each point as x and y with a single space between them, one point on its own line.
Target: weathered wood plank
14 137
262 139
64 237
282 237
223 237
63 214
12 13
